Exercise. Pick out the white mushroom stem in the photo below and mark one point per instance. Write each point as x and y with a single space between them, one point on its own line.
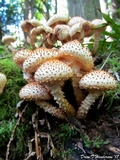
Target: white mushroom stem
60 99
86 104
49 108
97 36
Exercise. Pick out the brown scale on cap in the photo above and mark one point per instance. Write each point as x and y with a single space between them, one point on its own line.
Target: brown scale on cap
53 73
74 50
20 57
34 91
38 56
3 81
95 82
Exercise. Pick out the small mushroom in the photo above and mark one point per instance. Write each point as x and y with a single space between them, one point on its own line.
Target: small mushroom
57 19
8 40
95 82
62 32
53 73
34 91
42 31
3 81
98 26
75 20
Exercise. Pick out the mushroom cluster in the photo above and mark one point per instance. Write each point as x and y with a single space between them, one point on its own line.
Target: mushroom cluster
46 68
62 28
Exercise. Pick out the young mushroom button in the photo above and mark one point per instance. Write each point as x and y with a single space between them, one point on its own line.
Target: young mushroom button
53 73
95 82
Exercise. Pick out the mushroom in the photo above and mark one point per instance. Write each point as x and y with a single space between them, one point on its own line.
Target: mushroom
57 19
74 20
29 24
79 59
42 31
53 73
34 91
79 24
76 32
95 82
62 32
3 81
8 40
73 50
98 26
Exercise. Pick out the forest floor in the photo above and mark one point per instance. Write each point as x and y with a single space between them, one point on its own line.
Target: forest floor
97 137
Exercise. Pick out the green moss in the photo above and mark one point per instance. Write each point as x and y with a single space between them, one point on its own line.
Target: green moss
9 97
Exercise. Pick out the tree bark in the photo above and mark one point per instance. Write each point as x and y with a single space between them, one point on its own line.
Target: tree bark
88 9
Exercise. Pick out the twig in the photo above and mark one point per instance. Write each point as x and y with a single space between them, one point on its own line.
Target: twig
13 132
106 60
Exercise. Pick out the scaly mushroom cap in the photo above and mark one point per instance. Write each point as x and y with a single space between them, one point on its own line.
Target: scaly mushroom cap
20 57
57 19
98 79
76 51
34 91
3 81
53 71
8 39
38 56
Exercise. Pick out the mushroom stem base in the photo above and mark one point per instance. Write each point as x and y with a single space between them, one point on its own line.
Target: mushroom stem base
86 104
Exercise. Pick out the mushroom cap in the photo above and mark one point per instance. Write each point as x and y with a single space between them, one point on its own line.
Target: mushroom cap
98 22
57 19
20 57
3 81
75 20
76 51
29 24
53 71
8 39
98 79
34 91
62 31
38 56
